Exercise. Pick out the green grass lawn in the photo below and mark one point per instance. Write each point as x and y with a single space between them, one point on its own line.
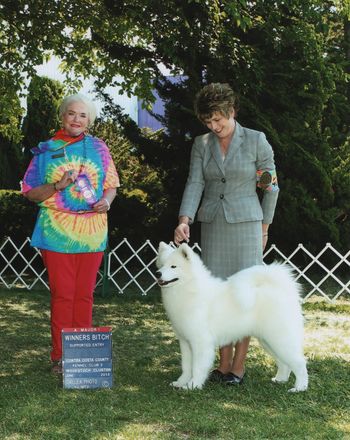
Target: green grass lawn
142 405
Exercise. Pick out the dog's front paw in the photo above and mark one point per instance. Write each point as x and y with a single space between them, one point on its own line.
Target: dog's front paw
297 389
181 382
275 380
193 385
177 384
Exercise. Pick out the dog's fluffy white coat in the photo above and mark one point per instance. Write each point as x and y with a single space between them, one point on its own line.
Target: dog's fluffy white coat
207 312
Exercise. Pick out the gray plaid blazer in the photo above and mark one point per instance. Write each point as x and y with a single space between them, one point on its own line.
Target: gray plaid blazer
231 182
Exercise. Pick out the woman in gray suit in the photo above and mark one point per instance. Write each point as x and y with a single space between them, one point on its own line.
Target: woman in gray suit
227 165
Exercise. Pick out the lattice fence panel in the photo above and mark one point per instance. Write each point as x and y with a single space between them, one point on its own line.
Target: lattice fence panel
326 274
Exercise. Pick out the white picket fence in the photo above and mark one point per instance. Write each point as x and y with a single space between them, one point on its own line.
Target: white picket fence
126 267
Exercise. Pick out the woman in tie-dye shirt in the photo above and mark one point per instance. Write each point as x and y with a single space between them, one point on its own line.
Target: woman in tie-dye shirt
73 180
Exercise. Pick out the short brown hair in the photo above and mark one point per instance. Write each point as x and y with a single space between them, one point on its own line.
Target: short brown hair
215 97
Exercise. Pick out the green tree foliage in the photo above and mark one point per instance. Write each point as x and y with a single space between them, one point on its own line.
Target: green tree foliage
10 164
41 120
275 55
289 62
336 115
10 107
17 216
141 200
10 134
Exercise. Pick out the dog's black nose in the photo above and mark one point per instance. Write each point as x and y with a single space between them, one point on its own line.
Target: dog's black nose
158 274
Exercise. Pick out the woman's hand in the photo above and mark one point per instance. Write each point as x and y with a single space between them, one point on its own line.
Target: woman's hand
102 205
105 201
182 232
67 178
47 190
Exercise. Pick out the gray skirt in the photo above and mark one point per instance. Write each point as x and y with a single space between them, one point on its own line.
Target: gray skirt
230 247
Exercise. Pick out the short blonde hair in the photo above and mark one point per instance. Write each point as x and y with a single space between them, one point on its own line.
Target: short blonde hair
79 97
215 97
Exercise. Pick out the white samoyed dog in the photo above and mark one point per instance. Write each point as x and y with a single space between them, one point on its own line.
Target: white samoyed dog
207 312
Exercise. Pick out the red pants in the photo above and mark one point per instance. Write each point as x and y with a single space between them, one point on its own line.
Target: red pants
72 279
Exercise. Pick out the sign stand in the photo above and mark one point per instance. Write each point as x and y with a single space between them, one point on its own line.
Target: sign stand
87 358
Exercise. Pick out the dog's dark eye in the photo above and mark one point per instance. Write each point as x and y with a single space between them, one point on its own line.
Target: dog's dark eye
173 267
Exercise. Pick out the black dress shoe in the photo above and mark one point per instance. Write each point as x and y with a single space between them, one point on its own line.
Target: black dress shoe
216 376
232 379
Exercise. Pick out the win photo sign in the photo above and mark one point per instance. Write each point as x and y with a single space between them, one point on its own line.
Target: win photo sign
87 357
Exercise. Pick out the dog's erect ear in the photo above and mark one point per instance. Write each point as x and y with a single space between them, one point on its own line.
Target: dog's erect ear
186 251
163 247
164 250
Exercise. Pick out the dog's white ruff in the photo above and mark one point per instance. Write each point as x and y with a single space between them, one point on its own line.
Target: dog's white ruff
207 312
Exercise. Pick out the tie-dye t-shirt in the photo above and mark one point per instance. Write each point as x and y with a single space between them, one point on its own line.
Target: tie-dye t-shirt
65 221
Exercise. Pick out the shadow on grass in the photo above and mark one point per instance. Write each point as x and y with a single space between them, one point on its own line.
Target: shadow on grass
142 404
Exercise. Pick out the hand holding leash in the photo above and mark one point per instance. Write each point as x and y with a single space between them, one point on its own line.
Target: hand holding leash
182 233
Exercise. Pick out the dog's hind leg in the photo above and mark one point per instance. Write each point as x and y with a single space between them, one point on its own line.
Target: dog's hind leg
186 364
297 364
298 367
283 371
290 356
